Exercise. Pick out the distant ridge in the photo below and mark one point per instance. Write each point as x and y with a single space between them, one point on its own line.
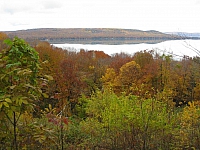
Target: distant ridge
62 34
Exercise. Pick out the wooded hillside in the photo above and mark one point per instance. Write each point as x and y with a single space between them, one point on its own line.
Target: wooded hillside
88 33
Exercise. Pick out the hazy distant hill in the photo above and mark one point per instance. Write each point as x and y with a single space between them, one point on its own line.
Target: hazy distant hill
185 34
61 34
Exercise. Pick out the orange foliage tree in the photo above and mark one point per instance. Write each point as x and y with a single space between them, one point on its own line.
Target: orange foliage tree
3 36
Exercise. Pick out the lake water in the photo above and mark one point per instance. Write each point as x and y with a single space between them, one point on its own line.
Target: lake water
175 47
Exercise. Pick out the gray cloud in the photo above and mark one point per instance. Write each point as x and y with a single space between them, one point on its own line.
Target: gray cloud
52 4
18 24
198 2
15 8
29 7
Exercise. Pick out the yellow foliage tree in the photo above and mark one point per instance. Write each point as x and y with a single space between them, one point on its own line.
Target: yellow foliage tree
189 127
129 73
128 77
109 77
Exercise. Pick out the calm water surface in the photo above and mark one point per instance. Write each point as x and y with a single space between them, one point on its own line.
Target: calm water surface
175 47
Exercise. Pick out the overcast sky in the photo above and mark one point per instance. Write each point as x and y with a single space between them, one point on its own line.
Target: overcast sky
161 15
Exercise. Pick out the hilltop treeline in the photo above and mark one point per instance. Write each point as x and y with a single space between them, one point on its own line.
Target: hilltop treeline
53 34
52 98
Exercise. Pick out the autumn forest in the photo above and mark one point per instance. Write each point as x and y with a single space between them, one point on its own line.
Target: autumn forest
55 99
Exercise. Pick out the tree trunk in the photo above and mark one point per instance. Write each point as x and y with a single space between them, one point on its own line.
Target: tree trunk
15 131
